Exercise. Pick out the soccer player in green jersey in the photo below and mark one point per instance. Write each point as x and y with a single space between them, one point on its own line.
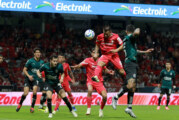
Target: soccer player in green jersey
32 81
167 76
52 71
130 49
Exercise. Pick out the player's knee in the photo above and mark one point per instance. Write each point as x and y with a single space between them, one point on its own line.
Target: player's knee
90 92
26 93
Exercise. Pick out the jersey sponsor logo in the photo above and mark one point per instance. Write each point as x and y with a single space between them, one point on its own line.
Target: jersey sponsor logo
34 70
167 78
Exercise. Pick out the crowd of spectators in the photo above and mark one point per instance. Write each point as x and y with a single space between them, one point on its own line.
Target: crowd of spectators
17 44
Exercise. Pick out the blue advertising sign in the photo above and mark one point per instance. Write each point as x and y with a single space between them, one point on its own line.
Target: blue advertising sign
93 8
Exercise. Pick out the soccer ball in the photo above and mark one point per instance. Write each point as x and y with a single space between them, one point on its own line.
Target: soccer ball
89 34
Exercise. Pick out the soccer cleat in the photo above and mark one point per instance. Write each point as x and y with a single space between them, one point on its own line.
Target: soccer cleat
158 107
18 107
54 112
74 113
114 102
101 113
130 112
95 79
74 109
88 111
166 108
42 108
50 115
32 110
46 110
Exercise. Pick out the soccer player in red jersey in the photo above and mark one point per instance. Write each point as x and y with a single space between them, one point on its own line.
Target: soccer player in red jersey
108 42
90 65
65 84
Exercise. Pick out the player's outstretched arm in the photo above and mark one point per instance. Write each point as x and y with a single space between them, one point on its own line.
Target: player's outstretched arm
27 74
39 74
145 52
76 66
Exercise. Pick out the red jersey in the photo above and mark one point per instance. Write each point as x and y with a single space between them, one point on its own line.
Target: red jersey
90 65
66 68
108 44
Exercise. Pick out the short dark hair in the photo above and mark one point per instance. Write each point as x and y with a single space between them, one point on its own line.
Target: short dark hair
53 56
92 50
167 61
62 55
130 28
35 49
107 27
1 55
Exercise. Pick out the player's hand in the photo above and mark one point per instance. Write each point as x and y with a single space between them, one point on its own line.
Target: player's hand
174 87
113 51
111 72
61 81
43 79
150 50
73 81
136 31
30 78
159 85
75 67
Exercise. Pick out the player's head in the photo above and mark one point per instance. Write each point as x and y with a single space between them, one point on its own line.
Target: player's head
93 53
37 53
107 31
130 29
61 58
168 65
1 58
53 60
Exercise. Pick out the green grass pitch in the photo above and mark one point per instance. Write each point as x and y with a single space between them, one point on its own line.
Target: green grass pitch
142 113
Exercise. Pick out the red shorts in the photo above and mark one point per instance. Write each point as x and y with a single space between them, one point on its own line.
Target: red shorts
113 58
66 87
98 86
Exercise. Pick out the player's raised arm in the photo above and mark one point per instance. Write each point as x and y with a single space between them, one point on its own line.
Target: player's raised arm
27 74
96 50
136 32
146 51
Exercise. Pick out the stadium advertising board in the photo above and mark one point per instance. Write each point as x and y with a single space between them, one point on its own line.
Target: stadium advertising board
92 8
13 98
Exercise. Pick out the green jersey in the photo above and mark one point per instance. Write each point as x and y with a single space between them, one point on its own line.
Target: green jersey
130 48
52 74
167 78
32 66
